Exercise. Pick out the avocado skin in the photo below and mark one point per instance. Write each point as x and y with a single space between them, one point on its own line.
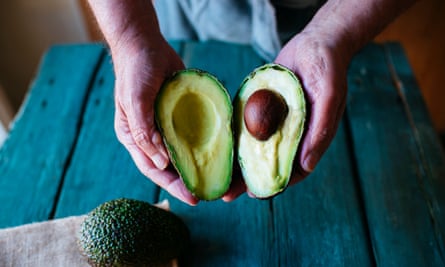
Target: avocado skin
127 232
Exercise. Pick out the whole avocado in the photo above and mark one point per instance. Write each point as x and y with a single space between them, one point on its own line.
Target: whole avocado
127 232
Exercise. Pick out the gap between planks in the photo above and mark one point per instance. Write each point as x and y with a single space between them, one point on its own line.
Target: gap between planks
67 164
424 173
357 184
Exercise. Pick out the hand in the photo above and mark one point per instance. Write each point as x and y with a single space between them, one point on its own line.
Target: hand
321 66
141 67
237 187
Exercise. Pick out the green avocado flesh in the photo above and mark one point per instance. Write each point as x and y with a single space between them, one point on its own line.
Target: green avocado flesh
194 114
267 165
127 232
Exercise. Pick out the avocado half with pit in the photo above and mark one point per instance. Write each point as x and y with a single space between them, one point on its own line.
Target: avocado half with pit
194 114
269 119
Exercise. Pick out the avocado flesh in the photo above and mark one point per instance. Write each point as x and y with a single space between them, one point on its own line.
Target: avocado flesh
267 165
194 114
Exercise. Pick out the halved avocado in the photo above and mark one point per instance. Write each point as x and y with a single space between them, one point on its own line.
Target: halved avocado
194 114
266 161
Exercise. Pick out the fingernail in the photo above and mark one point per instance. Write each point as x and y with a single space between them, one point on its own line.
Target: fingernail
160 161
311 161
156 139
163 151
187 197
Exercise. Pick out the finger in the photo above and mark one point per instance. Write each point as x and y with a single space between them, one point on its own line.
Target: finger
237 188
326 109
173 185
121 127
167 179
142 127
298 174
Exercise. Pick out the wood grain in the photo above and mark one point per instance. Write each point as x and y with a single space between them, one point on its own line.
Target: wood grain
420 31
321 221
33 158
101 169
391 175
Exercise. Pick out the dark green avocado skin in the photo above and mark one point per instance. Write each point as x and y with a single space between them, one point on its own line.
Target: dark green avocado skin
127 232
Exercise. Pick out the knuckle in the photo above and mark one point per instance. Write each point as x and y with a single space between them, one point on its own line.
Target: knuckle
121 135
140 137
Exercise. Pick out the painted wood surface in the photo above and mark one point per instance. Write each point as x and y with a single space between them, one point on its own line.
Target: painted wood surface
101 169
34 157
376 198
403 202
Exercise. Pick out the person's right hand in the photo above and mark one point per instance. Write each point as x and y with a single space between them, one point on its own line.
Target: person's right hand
141 66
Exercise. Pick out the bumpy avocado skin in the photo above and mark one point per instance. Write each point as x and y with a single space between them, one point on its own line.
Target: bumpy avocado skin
267 165
127 232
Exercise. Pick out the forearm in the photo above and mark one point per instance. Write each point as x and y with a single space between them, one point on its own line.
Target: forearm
352 23
122 22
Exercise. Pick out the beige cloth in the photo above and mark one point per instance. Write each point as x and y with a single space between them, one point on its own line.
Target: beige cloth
50 243
47 244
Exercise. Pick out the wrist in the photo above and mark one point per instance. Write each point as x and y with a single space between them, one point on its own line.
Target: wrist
348 25
135 41
337 42
337 34
126 23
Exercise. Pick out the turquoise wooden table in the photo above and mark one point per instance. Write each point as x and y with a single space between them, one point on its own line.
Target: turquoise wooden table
376 198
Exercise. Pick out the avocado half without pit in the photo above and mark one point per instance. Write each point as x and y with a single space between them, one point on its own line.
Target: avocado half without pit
269 120
194 114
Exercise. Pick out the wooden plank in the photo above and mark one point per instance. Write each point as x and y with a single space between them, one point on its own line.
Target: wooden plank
431 153
431 157
321 221
402 228
101 169
239 233
317 222
33 158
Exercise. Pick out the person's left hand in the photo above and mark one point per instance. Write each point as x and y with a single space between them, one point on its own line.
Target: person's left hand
321 65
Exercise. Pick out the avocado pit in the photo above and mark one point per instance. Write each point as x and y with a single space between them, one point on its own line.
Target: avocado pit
264 112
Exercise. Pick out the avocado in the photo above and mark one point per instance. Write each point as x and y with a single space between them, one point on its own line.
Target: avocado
128 232
269 115
194 112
